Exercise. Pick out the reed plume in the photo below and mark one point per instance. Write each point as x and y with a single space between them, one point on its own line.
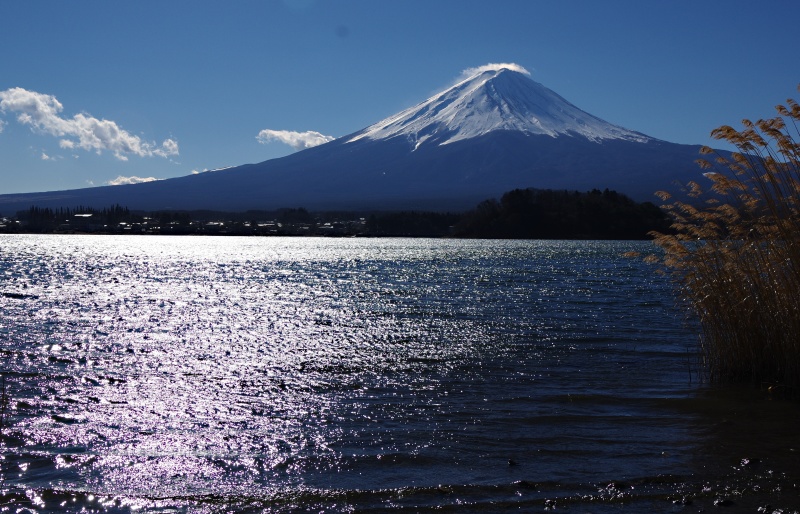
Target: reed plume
735 253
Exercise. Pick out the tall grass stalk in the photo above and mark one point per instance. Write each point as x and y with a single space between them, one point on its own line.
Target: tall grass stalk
735 253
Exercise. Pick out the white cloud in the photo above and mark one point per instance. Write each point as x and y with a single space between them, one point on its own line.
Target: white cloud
168 147
471 72
297 140
46 157
119 181
41 112
2 125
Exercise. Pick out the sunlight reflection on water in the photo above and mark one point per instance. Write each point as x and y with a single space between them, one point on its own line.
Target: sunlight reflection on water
298 372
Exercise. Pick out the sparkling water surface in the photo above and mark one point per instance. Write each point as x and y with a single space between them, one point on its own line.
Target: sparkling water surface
226 374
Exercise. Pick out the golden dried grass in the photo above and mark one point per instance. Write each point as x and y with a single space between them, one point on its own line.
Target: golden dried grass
736 256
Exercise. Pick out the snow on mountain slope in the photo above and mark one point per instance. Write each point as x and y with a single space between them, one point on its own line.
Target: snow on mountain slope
491 98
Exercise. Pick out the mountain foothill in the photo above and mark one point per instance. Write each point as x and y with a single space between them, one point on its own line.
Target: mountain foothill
495 131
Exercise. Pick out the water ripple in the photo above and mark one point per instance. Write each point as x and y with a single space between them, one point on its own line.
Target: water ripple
286 374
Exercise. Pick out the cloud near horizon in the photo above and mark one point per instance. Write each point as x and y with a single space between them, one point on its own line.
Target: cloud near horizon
41 113
297 140
206 170
120 180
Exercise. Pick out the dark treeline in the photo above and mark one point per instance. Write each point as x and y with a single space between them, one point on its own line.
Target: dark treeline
548 214
519 214
87 219
43 219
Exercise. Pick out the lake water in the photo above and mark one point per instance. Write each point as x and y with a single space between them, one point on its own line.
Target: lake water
214 374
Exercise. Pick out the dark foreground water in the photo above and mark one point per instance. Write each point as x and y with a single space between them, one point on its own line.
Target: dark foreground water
207 374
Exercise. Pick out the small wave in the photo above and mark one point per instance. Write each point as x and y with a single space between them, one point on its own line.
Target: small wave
18 296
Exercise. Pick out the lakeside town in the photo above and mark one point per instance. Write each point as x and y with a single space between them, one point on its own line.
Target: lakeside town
183 224
283 222
518 214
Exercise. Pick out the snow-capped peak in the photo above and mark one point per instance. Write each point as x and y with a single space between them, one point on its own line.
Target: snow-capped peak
490 98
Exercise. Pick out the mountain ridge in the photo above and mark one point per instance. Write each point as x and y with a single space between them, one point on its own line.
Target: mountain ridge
494 131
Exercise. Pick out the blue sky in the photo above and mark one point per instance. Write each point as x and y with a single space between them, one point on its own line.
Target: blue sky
94 90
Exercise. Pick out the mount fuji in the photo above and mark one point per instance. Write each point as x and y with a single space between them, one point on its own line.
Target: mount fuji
493 98
493 131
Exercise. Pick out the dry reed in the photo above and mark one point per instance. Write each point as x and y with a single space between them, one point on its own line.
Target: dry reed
735 253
